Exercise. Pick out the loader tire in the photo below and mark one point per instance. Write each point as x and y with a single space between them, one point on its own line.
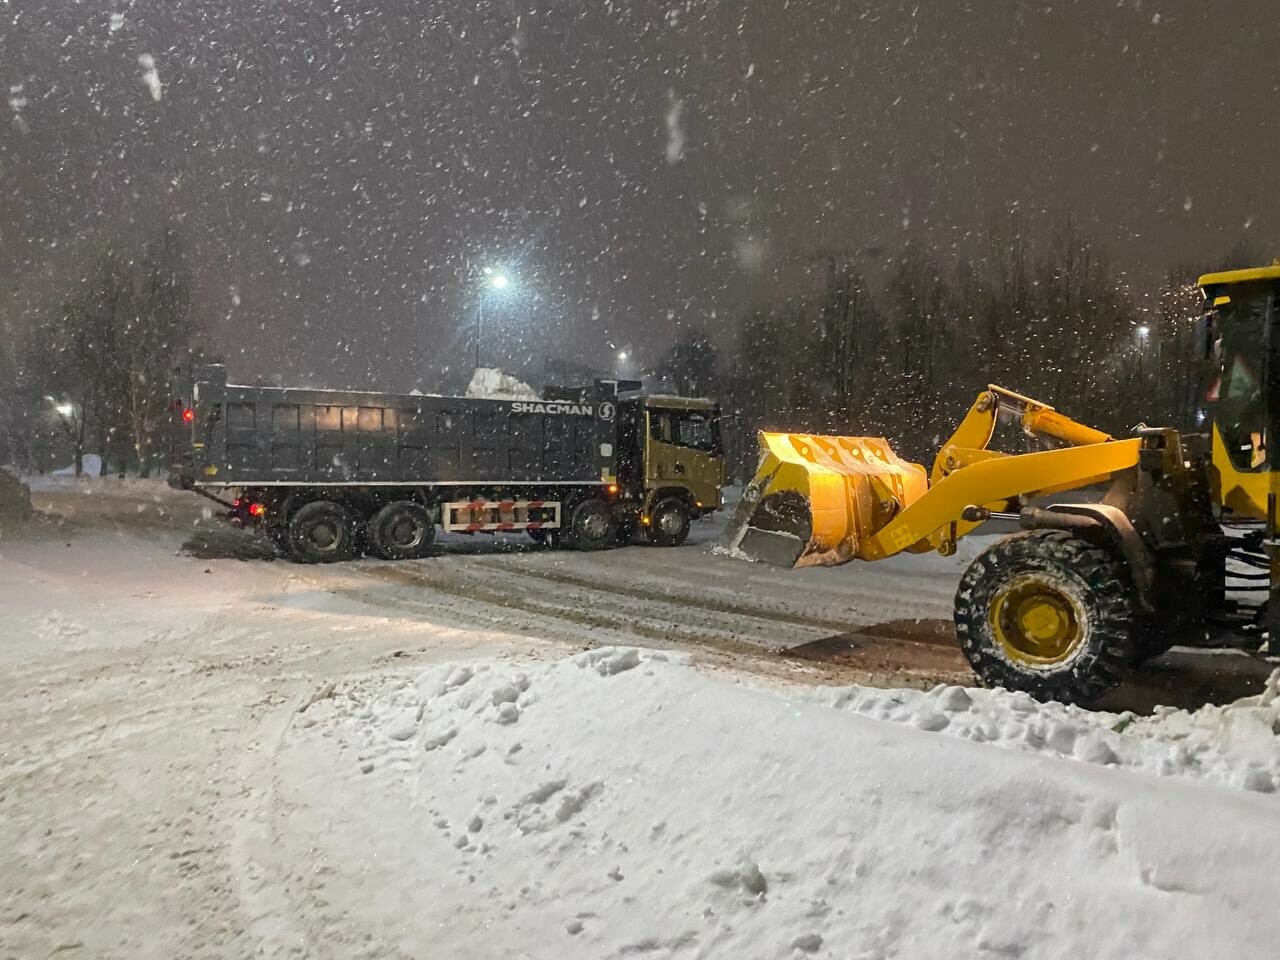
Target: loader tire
591 526
669 522
1048 614
321 532
402 530
1152 639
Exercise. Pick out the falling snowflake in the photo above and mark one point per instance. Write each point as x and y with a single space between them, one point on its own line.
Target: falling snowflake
149 75
675 132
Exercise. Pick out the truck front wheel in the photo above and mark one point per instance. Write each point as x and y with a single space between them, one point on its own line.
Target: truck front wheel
401 531
591 526
669 522
321 532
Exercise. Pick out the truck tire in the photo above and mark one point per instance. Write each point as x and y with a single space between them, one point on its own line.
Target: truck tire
545 538
321 532
279 537
669 522
1048 614
591 526
402 530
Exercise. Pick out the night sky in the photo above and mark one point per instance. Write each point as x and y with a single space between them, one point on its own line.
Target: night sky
343 172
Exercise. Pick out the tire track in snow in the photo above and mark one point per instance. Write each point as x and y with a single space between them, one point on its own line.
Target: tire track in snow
656 594
597 609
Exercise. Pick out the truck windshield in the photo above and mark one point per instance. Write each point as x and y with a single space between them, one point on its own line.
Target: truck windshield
689 428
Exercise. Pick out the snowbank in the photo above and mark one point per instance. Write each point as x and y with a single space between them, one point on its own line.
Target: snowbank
490 383
91 466
622 803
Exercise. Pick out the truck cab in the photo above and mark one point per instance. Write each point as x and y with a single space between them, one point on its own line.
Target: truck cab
671 463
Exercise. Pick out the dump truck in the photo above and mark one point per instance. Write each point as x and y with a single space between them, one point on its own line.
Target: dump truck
329 474
1178 550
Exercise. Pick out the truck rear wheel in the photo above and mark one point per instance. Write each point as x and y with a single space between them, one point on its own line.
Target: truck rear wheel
321 532
669 522
545 538
1048 614
402 530
591 526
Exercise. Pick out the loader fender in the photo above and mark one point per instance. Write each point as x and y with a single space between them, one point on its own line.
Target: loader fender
1101 523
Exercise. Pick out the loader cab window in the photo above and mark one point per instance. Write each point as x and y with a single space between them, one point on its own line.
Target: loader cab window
1238 396
696 429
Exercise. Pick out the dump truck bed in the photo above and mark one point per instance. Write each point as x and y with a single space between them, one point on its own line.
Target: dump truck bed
265 436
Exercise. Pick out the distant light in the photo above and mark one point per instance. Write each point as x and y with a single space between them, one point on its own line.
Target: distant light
498 281
65 409
257 509
622 355
1143 331
188 415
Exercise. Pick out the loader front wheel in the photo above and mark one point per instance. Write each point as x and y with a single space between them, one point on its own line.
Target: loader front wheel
1048 614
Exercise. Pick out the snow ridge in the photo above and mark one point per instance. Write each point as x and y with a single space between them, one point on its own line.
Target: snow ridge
620 802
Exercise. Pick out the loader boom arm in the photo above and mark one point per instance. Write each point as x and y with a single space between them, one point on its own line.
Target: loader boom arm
829 499
973 435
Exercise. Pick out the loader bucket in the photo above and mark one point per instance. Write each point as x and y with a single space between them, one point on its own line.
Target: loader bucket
816 500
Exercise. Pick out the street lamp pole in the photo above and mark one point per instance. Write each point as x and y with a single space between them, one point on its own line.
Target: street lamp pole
1143 332
498 281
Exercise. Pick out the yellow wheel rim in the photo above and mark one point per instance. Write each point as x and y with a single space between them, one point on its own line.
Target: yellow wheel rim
1036 623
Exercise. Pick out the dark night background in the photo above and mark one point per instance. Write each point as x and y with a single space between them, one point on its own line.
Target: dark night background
343 172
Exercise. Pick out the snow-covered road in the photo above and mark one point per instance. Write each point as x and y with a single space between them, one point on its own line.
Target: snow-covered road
183 743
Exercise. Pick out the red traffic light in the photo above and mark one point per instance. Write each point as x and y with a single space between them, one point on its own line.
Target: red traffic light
188 415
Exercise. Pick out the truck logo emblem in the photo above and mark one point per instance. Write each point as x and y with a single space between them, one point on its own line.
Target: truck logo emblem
560 407
607 411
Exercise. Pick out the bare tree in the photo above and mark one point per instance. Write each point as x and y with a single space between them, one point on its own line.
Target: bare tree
104 358
692 364
151 336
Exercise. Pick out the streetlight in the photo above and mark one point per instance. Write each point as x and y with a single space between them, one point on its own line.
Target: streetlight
1144 333
497 280
64 408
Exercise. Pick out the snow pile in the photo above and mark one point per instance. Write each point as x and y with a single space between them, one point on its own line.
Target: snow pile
490 383
621 803
1233 745
91 465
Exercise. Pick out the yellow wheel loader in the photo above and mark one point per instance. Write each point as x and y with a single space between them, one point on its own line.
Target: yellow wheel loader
1087 591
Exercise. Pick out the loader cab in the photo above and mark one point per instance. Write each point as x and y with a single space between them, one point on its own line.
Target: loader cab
1242 338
